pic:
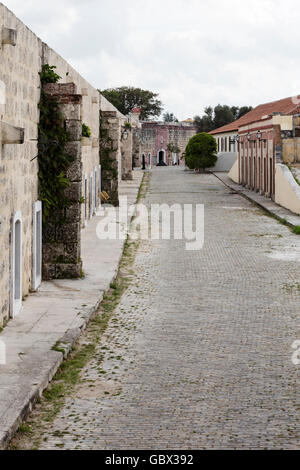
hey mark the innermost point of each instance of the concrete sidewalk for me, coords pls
(265, 203)
(57, 313)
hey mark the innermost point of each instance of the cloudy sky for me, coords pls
(194, 53)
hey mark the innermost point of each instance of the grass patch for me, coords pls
(143, 187)
(291, 287)
(283, 221)
(24, 429)
(57, 348)
(271, 235)
(296, 229)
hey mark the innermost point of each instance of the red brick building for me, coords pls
(165, 142)
(261, 136)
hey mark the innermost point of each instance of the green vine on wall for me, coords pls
(53, 158)
(48, 74)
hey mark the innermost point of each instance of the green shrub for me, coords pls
(48, 74)
(86, 131)
(296, 229)
(201, 151)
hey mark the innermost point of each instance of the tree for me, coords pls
(219, 116)
(244, 110)
(235, 112)
(201, 151)
(127, 98)
(169, 117)
(206, 123)
(223, 115)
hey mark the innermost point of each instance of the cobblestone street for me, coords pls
(198, 353)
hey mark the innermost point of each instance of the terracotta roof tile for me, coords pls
(287, 106)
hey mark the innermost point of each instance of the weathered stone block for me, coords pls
(86, 142)
(11, 134)
(49, 232)
(49, 272)
(73, 193)
(74, 129)
(52, 252)
(9, 36)
(95, 143)
(72, 253)
(68, 233)
(68, 271)
(60, 88)
(73, 213)
(70, 110)
(74, 149)
(74, 172)
(109, 114)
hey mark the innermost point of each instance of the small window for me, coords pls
(99, 185)
(91, 196)
(96, 190)
(85, 200)
(37, 246)
(16, 265)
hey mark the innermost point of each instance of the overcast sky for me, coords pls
(194, 53)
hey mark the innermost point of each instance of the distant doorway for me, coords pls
(161, 158)
(16, 266)
(143, 162)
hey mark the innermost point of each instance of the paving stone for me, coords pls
(199, 349)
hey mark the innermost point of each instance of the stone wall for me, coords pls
(19, 67)
(61, 233)
(22, 55)
(291, 150)
(123, 156)
(287, 190)
(110, 137)
(89, 115)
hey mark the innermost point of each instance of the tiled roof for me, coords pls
(287, 106)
